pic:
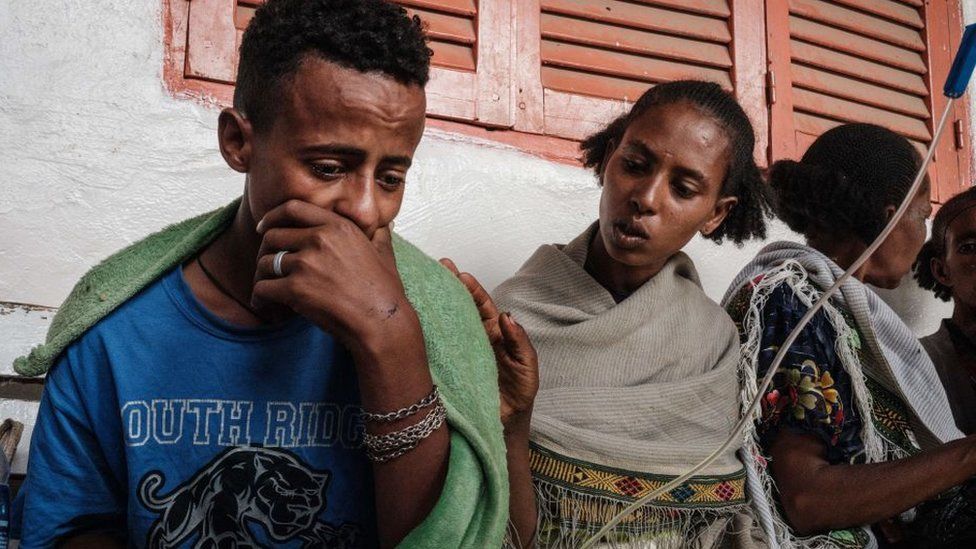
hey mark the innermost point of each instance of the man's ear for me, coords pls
(722, 208)
(940, 272)
(890, 212)
(235, 136)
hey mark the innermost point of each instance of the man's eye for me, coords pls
(327, 171)
(683, 190)
(632, 166)
(391, 181)
(967, 248)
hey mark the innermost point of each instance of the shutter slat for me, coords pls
(857, 45)
(814, 125)
(448, 28)
(715, 8)
(451, 55)
(614, 12)
(647, 69)
(849, 111)
(452, 29)
(809, 126)
(894, 11)
(243, 15)
(467, 8)
(848, 88)
(858, 22)
(858, 68)
(583, 83)
(803, 141)
(591, 33)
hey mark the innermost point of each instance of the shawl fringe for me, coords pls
(567, 518)
(876, 447)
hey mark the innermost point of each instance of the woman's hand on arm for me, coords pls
(818, 496)
(518, 383)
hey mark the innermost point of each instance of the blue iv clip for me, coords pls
(962, 65)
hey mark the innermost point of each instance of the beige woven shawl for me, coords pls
(645, 388)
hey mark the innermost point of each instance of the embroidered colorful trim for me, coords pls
(626, 486)
(891, 418)
(889, 414)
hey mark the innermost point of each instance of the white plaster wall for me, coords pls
(96, 154)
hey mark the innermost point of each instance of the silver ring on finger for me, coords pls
(276, 264)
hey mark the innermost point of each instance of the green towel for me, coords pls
(473, 508)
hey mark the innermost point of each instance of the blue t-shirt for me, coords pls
(171, 426)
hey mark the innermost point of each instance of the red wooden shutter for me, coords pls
(471, 40)
(877, 61)
(581, 62)
(470, 77)
(953, 171)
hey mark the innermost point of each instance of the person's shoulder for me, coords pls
(698, 307)
(142, 307)
(116, 328)
(534, 273)
(114, 281)
(938, 344)
(773, 296)
(774, 284)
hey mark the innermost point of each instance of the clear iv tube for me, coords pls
(778, 359)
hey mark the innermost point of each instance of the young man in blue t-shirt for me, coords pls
(229, 401)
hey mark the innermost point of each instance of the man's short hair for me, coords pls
(365, 35)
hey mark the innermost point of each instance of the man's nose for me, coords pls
(358, 203)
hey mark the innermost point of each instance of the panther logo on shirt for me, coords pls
(240, 485)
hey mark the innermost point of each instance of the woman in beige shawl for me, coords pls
(637, 366)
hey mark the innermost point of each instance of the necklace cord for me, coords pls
(223, 289)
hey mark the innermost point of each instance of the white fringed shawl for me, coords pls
(895, 359)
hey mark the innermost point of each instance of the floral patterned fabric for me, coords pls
(812, 392)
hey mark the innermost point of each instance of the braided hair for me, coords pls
(844, 182)
(936, 246)
(742, 180)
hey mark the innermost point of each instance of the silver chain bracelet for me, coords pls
(402, 413)
(389, 441)
(383, 448)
